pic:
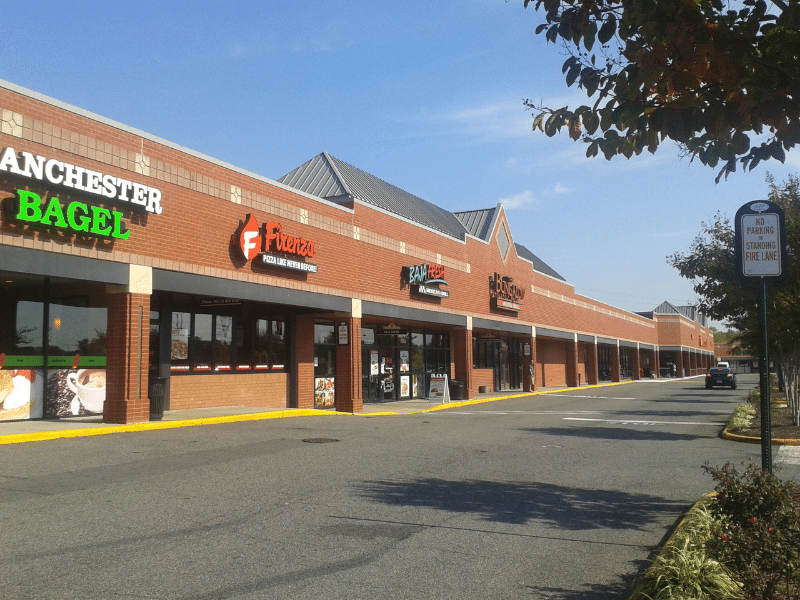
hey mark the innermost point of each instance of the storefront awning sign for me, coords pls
(56, 172)
(505, 293)
(270, 246)
(420, 277)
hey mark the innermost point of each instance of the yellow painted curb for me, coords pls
(748, 439)
(278, 414)
(152, 425)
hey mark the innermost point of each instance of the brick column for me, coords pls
(572, 362)
(679, 364)
(461, 348)
(528, 382)
(303, 373)
(127, 355)
(592, 368)
(348, 368)
(657, 364)
(616, 372)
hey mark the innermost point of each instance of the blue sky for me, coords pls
(428, 96)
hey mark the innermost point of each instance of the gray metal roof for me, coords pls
(688, 311)
(665, 308)
(330, 178)
(478, 222)
(538, 264)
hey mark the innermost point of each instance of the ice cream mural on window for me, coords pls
(21, 393)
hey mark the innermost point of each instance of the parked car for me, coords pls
(720, 376)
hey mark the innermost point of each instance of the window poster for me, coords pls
(21, 394)
(75, 392)
(324, 389)
(180, 344)
(373, 362)
(404, 364)
(405, 386)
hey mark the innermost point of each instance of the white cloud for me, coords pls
(518, 201)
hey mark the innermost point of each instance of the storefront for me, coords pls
(131, 266)
(398, 361)
(53, 335)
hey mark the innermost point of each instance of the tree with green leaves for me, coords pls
(719, 78)
(710, 265)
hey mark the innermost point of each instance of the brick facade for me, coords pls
(360, 253)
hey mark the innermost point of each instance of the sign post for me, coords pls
(760, 251)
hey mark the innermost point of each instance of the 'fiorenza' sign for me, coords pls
(261, 243)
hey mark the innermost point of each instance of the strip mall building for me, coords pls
(127, 260)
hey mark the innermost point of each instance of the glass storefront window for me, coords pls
(324, 365)
(53, 343)
(395, 365)
(223, 343)
(76, 330)
(153, 359)
(179, 347)
(367, 335)
(225, 338)
(262, 344)
(417, 339)
(24, 336)
(278, 344)
(201, 342)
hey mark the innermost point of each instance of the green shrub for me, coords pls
(684, 569)
(742, 417)
(756, 530)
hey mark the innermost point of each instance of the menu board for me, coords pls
(438, 391)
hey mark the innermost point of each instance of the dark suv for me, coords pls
(720, 376)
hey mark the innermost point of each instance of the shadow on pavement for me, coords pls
(604, 432)
(519, 503)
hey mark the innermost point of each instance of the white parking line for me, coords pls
(633, 422)
(597, 397)
(521, 412)
(788, 455)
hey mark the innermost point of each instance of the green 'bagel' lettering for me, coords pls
(77, 216)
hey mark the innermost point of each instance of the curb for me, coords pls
(19, 438)
(748, 439)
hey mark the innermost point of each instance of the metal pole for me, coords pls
(766, 425)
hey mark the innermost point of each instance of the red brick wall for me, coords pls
(195, 230)
(551, 358)
(267, 390)
(482, 377)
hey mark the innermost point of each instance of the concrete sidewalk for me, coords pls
(12, 432)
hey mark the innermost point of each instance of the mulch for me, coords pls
(781, 426)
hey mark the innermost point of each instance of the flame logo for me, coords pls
(250, 238)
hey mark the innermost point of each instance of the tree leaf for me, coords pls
(574, 71)
(589, 36)
(591, 121)
(608, 29)
(740, 143)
